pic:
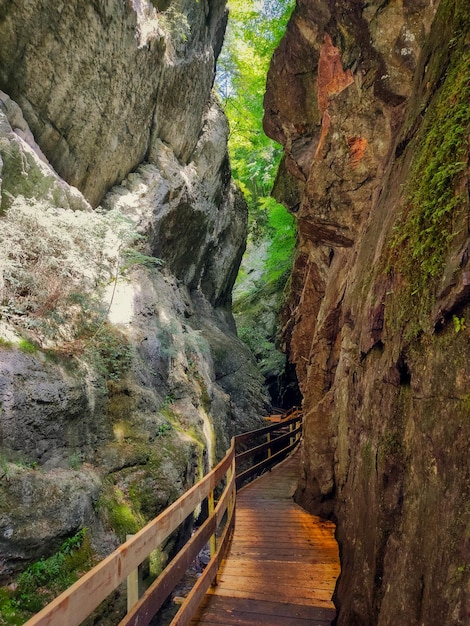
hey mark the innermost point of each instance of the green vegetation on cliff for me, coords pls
(436, 200)
(45, 579)
(254, 31)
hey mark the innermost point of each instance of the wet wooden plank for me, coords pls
(299, 597)
(283, 563)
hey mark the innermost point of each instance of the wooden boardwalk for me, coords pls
(282, 565)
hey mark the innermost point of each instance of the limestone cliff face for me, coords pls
(371, 103)
(97, 80)
(120, 369)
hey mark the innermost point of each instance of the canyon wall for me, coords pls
(121, 375)
(371, 103)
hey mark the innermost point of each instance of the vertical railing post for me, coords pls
(292, 439)
(135, 585)
(231, 474)
(212, 540)
(231, 502)
(269, 441)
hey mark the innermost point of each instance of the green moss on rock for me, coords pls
(435, 198)
(45, 579)
(120, 513)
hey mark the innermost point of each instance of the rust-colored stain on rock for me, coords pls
(357, 147)
(332, 79)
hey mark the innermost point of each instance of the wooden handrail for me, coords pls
(264, 446)
(274, 453)
(81, 599)
(252, 434)
(189, 606)
(256, 470)
(281, 415)
(158, 592)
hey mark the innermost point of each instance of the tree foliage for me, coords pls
(255, 29)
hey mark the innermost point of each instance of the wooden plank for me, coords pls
(283, 562)
(271, 609)
(281, 551)
(281, 568)
(289, 539)
(316, 597)
(306, 576)
(223, 618)
(301, 541)
(269, 564)
(314, 538)
(297, 548)
(269, 556)
(266, 584)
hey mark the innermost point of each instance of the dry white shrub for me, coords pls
(54, 266)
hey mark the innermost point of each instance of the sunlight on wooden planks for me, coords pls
(283, 562)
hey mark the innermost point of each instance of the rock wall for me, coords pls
(370, 101)
(97, 80)
(121, 376)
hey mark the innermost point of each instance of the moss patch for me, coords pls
(436, 198)
(121, 515)
(44, 580)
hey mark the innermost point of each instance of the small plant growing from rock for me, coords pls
(27, 346)
(163, 429)
(46, 578)
(459, 323)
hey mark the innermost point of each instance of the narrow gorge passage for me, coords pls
(136, 334)
(283, 562)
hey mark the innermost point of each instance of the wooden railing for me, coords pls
(286, 437)
(281, 416)
(82, 598)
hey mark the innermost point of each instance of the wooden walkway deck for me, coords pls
(283, 563)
